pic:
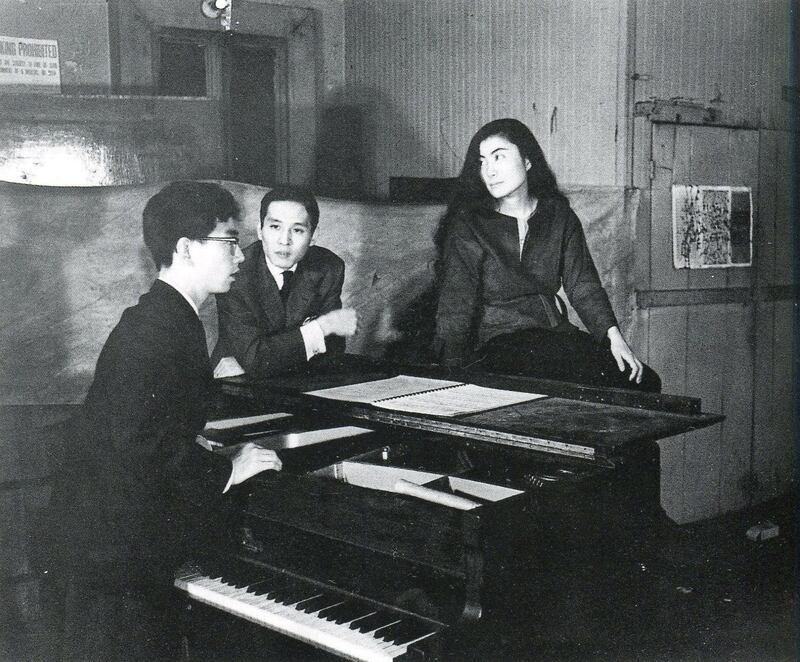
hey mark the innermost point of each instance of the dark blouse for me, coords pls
(486, 289)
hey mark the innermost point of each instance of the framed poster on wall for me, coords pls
(712, 226)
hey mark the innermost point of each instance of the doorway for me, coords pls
(254, 94)
(248, 75)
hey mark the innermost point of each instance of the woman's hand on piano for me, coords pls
(624, 355)
(251, 459)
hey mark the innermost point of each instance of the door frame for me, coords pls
(218, 76)
(280, 94)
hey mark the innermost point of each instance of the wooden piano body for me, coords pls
(559, 487)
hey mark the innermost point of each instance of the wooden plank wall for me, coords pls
(733, 55)
(721, 335)
(425, 75)
(727, 334)
(774, 418)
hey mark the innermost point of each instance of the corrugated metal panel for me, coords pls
(730, 55)
(428, 74)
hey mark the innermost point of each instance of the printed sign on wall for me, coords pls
(712, 226)
(29, 65)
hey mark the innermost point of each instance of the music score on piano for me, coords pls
(422, 395)
(320, 616)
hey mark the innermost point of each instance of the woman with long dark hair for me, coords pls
(507, 242)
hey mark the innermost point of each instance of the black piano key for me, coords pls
(294, 593)
(281, 588)
(388, 632)
(237, 581)
(330, 613)
(370, 623)
(346, 612)
(408, 629)
(240, 577)
(264, 586)
(317, 603)
(214, 573)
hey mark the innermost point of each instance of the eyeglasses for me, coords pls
(233, 242)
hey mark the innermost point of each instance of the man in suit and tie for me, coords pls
(285, 307)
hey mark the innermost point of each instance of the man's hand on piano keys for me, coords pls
(250, 459)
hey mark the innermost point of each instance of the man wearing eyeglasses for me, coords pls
(285, 308)
(136, 492)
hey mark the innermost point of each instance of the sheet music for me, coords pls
(380, 389)
(463, 399)
(422, 395)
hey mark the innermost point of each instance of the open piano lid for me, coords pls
(573, 420)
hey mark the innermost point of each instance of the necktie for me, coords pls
(287, 284)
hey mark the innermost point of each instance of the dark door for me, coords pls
(252, 144)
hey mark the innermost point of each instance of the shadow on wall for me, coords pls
(339, 157)
(349, 159)
(73, 259)
(389, 253)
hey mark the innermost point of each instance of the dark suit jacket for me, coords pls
(254, 325)
(131, 466)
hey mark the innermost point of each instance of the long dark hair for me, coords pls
(470, 191)
(418, 322)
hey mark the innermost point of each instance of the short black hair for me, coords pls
(289, 193)
(184, 209)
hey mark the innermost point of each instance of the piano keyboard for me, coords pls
(334, 622)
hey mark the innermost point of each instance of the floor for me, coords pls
(708, 593)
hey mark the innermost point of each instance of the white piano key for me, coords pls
(291, 621)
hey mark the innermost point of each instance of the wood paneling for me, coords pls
(426, 75)
(734, 337)
(703, 456)
(700, 155)
(732, 56)
(667, 157)
(705, 351)
(775, 398)
(727, 340)
(774, 239)
(666, 343)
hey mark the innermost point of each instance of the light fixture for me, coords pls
(219, 9)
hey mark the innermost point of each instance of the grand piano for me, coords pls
(394, 535)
